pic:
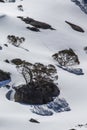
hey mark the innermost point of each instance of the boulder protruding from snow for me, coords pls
(35, 23)
(75, 27)
(34, 120)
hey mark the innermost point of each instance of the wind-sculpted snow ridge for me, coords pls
(82, 6)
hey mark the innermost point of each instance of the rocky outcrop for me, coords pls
(35, 23)
(33, 29)
(34, 120)
(75, 27)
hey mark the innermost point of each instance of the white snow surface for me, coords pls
(41, 46)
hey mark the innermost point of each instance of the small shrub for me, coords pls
(15, 40)
(66, 57)
(20, 7)
(35, 23)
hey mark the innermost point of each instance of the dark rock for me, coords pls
(85, 49)
(7, 86)
(6, 45)
(33, 29)
(75, 27)
(35, 23)
(34, 120)
(72, 129)
(0, 48)
(7, 61)
(4, 75)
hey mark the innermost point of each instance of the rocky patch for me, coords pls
(33, 29)
(75, 27)
(35, 23)
(34, 120)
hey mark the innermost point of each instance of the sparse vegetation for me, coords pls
(35, 23)
(15, 40)
(66, 57)
(40, 87)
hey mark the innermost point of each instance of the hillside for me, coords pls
(38, 47)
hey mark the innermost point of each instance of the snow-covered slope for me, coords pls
(42, 45)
